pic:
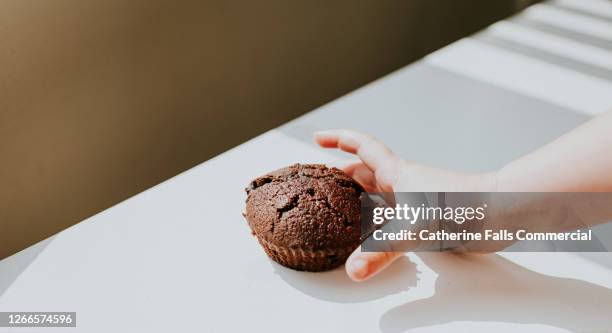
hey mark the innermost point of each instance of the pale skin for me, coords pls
(579, 161)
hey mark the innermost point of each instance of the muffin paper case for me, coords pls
(306, 260)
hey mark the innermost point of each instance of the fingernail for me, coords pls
(359, 268)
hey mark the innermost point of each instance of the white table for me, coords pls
(180, 257)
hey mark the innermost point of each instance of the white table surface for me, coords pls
(180, 256)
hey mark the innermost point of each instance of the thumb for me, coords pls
(361, 266)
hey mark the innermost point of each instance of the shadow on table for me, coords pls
(486, 288)
(13, 266)
(335, 285)
(601, 258)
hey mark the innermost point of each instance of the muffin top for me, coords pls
(305, 206)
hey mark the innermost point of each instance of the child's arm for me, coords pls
(580, 161)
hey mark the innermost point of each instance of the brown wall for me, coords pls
(102, 99)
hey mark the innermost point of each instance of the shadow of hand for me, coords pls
(492, 288)
(335, 285)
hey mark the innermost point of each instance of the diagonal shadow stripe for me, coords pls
(581, 12)
(549, 57)
(567, 33)
(13, 266)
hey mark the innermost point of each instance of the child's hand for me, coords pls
(380, 170)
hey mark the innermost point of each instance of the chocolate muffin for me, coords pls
(306, 216)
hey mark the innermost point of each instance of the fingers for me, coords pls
(361, 266)
(371, 151)
(377, 172)
(374, 154)
(362, 174)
